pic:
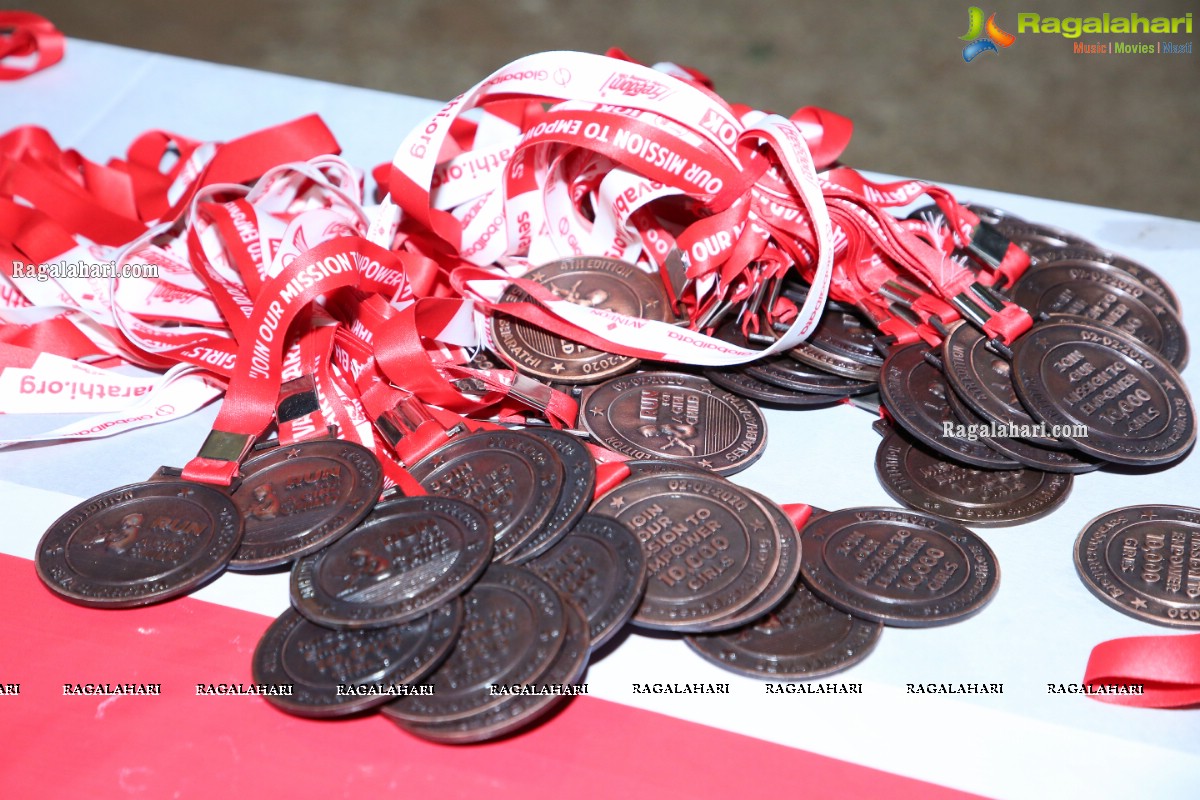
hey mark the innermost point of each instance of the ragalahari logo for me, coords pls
(977, 43)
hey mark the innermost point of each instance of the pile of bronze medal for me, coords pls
(1095, 381)
(496, 578)
(469, 612)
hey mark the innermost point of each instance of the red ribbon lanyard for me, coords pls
(250, 400)
(945, 279)
(1003, 260)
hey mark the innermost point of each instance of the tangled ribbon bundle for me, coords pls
(556, 154)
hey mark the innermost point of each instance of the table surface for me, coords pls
(1038, 630)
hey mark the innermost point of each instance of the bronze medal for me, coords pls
(904, 568)
(407, 557)
(1107, 297)
(297, 499)
(786, 573)
(601, 567)
(1144, 561)
(1025, 453)
(527, 702)
(579, 487)
(677, 417)
(514, 629)
(711, 549)
(592, 281)
(1045, 256)
(926, 481)
(139, 544)
(842, 343)
(1111, 397)
(740, 382)
(512, 477)
(796, 375)
(982, 379)
(329, 669)
(804, 638)
(1031, 235)
(789, 373)
(914, 392)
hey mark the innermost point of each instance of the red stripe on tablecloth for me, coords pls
(183, 745)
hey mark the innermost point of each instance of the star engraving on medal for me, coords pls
(704, 462)
(596, 411)
(188, 492)
(617, 502)
(295, 452)
(558, 366)
(1040, 340)
(1137, 602)
(1169, 385)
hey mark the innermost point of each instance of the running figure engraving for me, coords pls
(121, 539)
(594, 298)
(674, 433)
(367, 566)
(266, 504)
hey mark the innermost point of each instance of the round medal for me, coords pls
(337, 672)
(512, 477)
(1144, 561)
(527, 702)
(800, 377)
(1109, 395)
(804, 637)
(297, 499)
(903, 568)
(983, 497)
(983, 380)
(843, 343)
(1104, 296)
(514, 629)
(139, 544)
(786, 573)
(407, 557)
(1030, 235)
(740, 382)
(1044, 256)
(1025, 453)
(711, 549)
(677, 417)
(592, 281)
(601, 567)
(579, 486)
(914, 392)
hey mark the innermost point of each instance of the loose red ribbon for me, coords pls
(25, 36)
(1167, 667)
